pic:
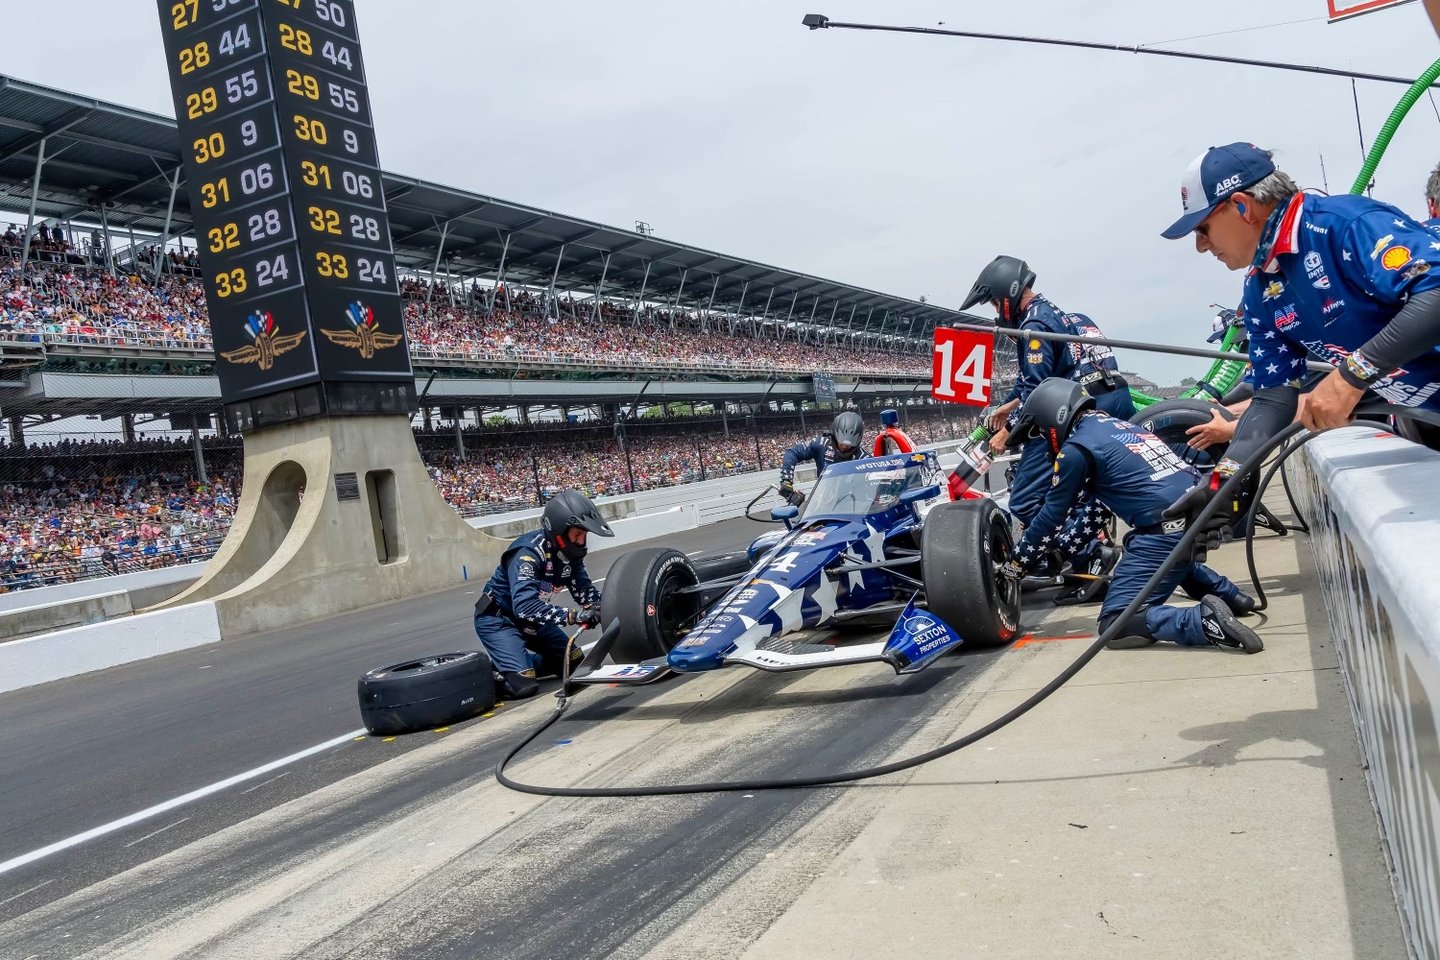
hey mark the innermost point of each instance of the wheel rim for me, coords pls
(675, 613)
(1001, 546)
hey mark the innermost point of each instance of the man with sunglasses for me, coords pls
(1346, 279)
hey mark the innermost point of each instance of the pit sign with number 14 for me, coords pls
(963, 360)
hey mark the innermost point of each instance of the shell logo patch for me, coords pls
(1034, 344)
(1395, 258)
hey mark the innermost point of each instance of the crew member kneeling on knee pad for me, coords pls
(514, 618)
(1101, 463)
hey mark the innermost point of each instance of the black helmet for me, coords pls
(1003, 279)
(847, 429)
(1050, 411)
(571, 508)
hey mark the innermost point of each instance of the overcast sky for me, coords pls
(900, 163)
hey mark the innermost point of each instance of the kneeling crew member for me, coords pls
(514, 619)
(1136, 475)
(842, 443)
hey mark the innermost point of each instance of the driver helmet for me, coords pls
(1051, 411)
(846, 432)
(566, 513)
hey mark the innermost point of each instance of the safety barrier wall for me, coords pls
(1369, 499)
(98, 646)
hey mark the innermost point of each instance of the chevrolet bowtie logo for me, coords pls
(265, 342)
(364, 333)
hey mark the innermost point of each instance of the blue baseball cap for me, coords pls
(1212, 177)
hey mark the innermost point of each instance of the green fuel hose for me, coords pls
(1392, 123)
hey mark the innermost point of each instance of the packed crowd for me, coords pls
(72, 510)
(76, 304)
(75, 510)
(90, 306)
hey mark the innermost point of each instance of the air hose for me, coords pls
(1183, 549)
(1223, 376)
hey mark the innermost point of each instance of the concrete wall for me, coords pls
(172, 578)
(68, 653)
(1369, 499)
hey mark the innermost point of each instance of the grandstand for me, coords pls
(549, 344)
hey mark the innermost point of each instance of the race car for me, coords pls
(877, 538)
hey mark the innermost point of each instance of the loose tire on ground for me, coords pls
(428, 692)
(640, 591)
(963, 544)
(1169, 419)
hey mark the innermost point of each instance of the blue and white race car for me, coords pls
(878, 538)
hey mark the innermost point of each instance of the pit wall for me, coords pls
(1371, 502)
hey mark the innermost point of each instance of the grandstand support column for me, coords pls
(439, 253)
(459, 437)
(199, 455)
(127, 427)
(499, 277)
(599, 288)
(34, 202)
(644, 282)
(799, 405)
(161, 260)
(725, 418)
(335, 513)
(105, 235)
(17, 431)
(705, 318)
(675, 303)
(738, 307)
(765, 313)
(550, 291)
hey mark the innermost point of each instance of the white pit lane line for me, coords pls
(155, 811)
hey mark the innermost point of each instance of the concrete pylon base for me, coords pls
(335, 514)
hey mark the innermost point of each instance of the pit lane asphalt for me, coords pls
(89, 750)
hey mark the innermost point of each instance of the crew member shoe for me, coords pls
(518, 686)
(1240, 604)
(1224, 630)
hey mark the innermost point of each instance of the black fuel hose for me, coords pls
(1183, 549)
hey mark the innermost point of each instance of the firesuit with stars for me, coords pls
(1101, 463)
(516, 622)
(1008, 283)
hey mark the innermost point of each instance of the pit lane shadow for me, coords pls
(765, 692)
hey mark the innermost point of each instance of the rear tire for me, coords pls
(428, 692)
(963, 544)
(640, 591)
(1169, 419)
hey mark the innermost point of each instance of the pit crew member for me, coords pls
(1007, 283)
(516, 622)
(1100, 463)
(842, 443)
(1345, 279)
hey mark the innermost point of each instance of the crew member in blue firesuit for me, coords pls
(514, 618)
(1347, 280)
(842, 443)
(1099, 465)
(1008, 284)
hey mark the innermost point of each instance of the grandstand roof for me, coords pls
(102, 153)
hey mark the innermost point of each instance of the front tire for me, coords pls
(963, 545)
(640, 591)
